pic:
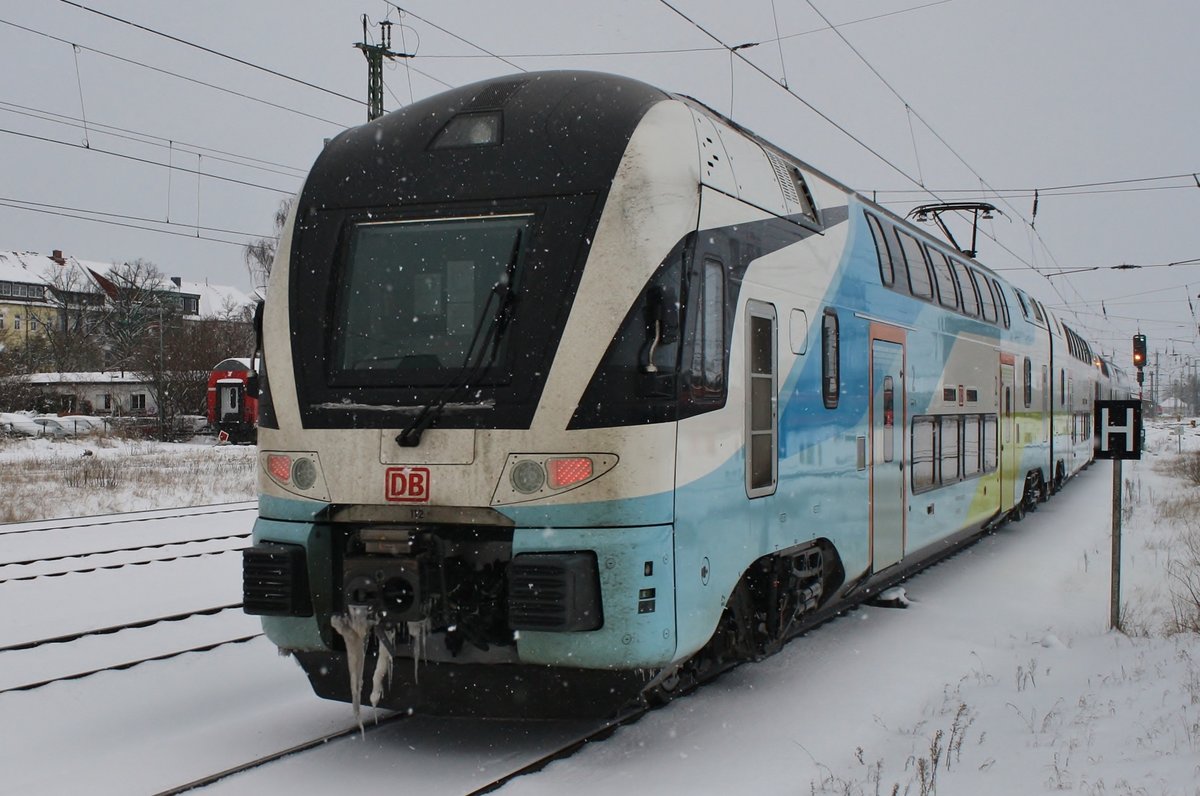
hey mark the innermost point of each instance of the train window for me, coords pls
(970, 296)
(947, 288)
(970, 445)
(1028, 385)
(990, 442)
(761, 427)
(889, 419)
(950, 447)
(1062, 386)
(830, 360)
(1002, 301)
(1037, 310)
(918, 270)
(1024, 306)
(708, 358)
(987, 302)
(923, 459)
(887, 271)
(414, 292)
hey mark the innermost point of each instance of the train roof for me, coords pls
(560, 132)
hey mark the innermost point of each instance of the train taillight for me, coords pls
(564, 472)
(280, 467)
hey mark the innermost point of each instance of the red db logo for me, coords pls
(406, 484)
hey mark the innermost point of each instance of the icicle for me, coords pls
(418, 631)
(355, 628)
(383, 666)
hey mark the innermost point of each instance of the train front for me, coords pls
(467, 420)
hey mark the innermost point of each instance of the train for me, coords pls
(574, 390)
(232, 400)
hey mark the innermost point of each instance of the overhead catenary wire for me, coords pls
(172, 145)
(456, 36)
(176, 75)
(217, 53)
(109, 222)
(148, 161)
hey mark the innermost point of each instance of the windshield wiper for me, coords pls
(474, 362)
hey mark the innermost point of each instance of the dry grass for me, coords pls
(85, 476)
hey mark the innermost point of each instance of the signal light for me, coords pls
(1139, 351)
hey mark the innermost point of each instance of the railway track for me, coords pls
(559, 749)
(106, 620)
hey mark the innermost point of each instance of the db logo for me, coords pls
(406, 484)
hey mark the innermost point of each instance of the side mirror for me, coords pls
(252, 385)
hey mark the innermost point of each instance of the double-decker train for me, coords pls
(574, 390)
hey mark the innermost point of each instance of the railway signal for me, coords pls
(1139, 355)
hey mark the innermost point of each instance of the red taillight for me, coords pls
(564, 472)
(280, 467)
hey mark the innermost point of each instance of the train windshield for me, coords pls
(421, 298)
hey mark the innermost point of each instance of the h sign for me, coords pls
(1118, 430)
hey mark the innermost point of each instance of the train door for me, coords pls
(229, 400)
(888, 423)
(1008, 436)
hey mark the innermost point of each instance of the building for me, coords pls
(114, 393)
(25, 305)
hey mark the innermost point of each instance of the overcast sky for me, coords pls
(952, 95)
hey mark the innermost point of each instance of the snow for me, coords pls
(999, 677)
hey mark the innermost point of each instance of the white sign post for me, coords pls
(1118, 437)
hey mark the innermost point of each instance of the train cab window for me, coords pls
(918, 270)
(761, 427)
(414, 292)
(970, 295)
(887, 270)
(987, 302)
(1062, 386)
(708, 355)
(947, 288)
(830, 360)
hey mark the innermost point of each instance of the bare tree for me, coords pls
(74, 329)
(260, 254)
(138, 301)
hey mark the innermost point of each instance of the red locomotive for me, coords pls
(232, 408)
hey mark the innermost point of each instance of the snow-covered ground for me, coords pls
(98, 474)
(1001, 677)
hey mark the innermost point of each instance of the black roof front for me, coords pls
(564, 133)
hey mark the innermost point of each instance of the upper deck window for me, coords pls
(918, 269)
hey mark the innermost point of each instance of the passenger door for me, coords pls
(888, 421)
(1008, 436)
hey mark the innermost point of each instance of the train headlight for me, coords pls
(304, 473)
(527, 476)
(296, 472)
(533, 476)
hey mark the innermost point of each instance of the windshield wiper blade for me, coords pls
(410, 437)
